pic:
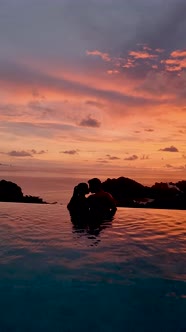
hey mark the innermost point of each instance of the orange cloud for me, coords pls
(178, 54)
(174, 64)
(142, 55)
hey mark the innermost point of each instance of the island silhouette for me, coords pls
(11, 192)
(126, 192)
(130, 193)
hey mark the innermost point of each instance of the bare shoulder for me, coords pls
(108, 195)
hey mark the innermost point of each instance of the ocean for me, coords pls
(51, 188)
(125, 275)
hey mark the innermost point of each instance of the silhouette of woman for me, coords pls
(78, 205)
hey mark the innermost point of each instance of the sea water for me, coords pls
(125, 275)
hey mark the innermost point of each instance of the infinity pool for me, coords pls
(128, 275)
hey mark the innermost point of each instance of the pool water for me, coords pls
(126, 275)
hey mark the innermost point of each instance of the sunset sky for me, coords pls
(93, 83)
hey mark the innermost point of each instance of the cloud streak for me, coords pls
(15, 153)
(23, 153)
(16, 75)
(170, 149)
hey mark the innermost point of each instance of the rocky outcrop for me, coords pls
(130, 193)
(11, 192)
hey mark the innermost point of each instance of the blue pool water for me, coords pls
(128, 275)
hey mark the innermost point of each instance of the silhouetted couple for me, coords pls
(99, 205)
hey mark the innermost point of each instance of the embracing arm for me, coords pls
(113, 207)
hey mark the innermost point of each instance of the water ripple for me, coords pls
(105, 278)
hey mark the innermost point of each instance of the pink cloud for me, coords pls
(159, 50)
(147, 48)
(111, 72)
(154, 66)
(103, 56)
(130, 63)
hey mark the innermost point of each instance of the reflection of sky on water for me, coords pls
(90, 231)
(125, 275)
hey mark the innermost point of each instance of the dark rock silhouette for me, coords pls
(125, 190)
(130, 193)
(11, 192)
(127, 193)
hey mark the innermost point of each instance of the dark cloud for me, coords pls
(112, 157)
(33, 151)
(22, 153)
(157, 23)
(170, 149)
(166, 28)
(149, 130)
(90, 122)
(123, 25)
(181, 167)
(133, 157)
(71, 152)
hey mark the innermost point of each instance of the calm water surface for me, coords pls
(128, 275)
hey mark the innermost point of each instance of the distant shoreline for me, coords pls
(127, 193)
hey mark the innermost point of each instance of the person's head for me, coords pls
(94, 185)
(82, 188)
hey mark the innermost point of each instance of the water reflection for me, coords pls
(90, 229)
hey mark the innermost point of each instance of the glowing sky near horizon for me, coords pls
(99, 83)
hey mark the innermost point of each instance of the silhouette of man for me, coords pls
(101, 204)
